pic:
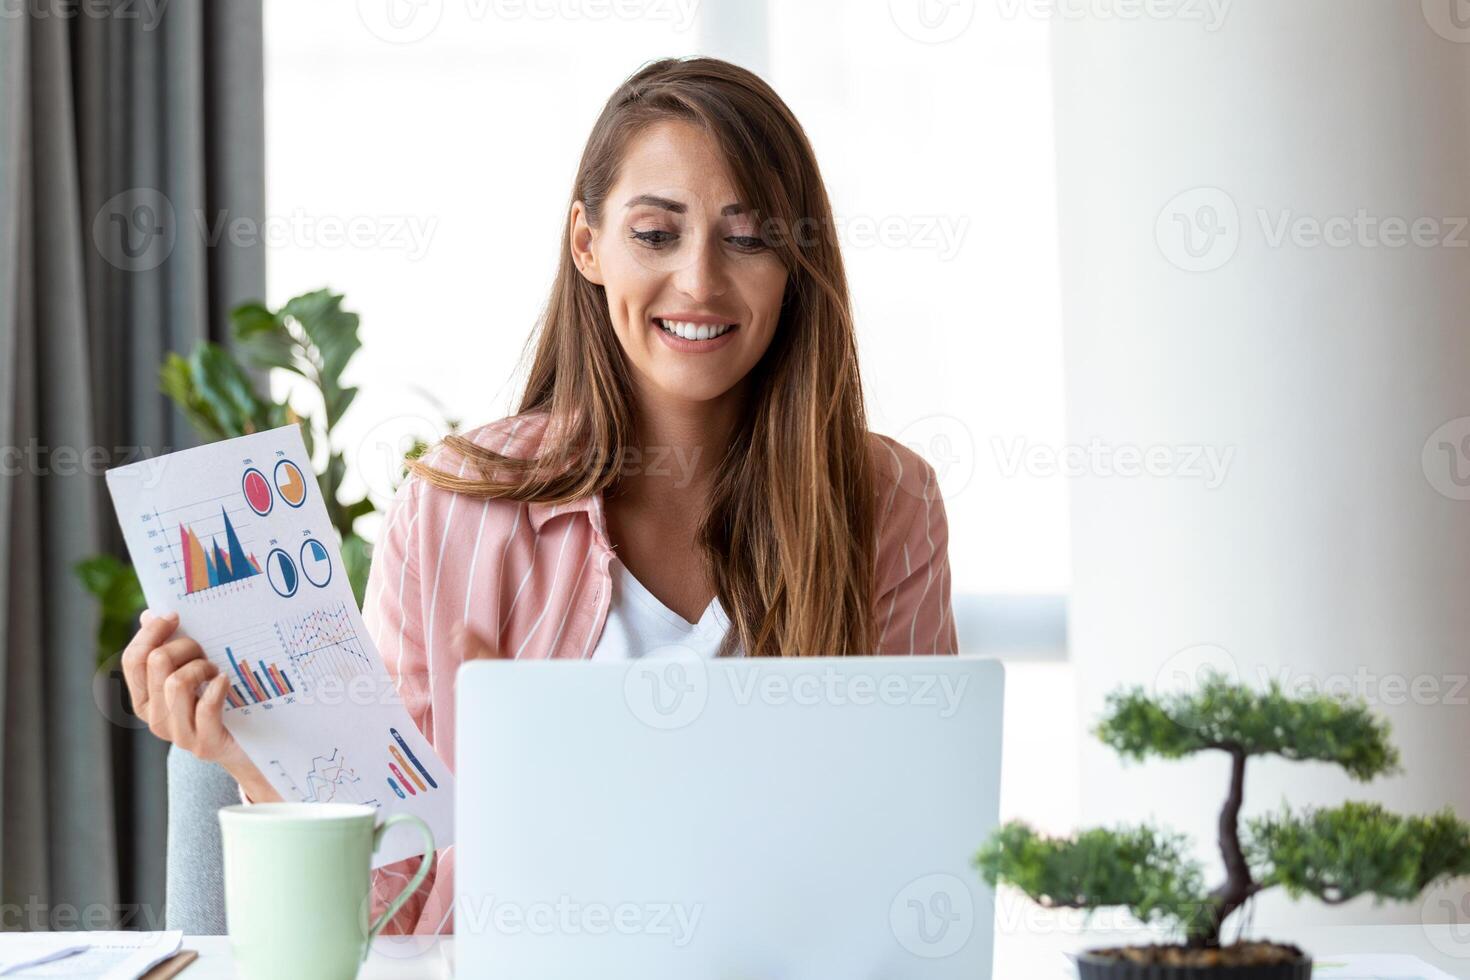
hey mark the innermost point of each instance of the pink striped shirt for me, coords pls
(535, 577)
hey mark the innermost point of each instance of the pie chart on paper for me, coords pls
(280, 571)
(257, 491)
(290, 484)
(316, 563)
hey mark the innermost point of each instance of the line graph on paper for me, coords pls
(323, 643)
(329, 780)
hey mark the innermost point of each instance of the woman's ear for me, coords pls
(584, 250)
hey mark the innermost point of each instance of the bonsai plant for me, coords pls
(1332, 854)
(311, 336)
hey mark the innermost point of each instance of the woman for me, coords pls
(690, 466)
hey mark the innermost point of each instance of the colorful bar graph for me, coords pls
(411, 757)
(405, 783)
(258, 685)
(283, 684)
(407, 768)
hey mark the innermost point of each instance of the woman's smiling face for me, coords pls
(678, 253)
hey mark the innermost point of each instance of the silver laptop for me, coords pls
(801, 819)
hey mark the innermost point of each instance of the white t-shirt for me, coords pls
(637, 623)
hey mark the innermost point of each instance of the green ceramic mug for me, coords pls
(298, 884)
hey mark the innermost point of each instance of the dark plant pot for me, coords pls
(1094, 967)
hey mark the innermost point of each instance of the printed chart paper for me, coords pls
(234, 537)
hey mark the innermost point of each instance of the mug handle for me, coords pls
(418, 876)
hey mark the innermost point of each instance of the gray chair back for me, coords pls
(195, 899)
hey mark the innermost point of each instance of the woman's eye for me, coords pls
(655, 238)
(750, 243)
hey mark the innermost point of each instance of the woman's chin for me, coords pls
(691, 386)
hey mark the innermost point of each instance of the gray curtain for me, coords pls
(124, 127)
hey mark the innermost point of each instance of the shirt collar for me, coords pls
(538, 512)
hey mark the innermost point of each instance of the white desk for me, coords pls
(1036, 954)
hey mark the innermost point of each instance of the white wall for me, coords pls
(1327, 552)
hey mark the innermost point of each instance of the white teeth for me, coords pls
(693, 331)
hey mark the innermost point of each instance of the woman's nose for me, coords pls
(705, 276)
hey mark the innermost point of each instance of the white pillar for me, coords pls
(1330, 543)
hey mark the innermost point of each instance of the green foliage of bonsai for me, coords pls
(1332, 854)
(311, 336)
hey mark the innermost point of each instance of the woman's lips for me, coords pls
(692, 346)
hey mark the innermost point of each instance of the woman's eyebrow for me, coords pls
(676, 207)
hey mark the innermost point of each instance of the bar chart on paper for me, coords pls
(315, 651)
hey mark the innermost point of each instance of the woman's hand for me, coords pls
(164, 677)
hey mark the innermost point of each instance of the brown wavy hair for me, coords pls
(788, 533)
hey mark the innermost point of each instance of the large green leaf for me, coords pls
(119, 598)
(264, 337)
(357, 556)
(331, 330)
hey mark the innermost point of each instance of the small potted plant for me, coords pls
(1333, 854)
